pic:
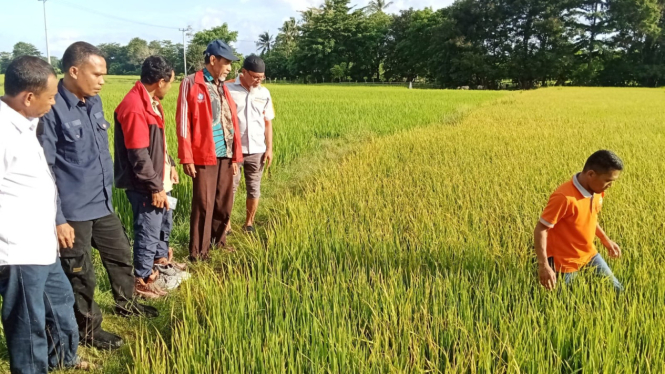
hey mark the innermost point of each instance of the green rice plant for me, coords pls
(317, 127)
(414, 254)
(396, 236)
(308, 118)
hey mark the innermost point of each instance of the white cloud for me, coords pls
(300, 5)
(209, 19)
(264, 16)
(63, 39)
(418, 4)
(248, 18)
(249, 22)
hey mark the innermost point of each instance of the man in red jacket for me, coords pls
(147, 173)
(209, 148)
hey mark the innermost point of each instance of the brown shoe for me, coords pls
(147, 290)
(152, 279)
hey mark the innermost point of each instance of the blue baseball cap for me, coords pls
(219, 48)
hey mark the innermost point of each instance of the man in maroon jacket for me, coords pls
(209, 148)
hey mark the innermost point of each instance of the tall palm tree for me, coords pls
(289, 30)
(265, 42)
(376, 6)
(287, 37)
(308, 14)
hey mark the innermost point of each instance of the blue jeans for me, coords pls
(38, 317)
(600, 267)
(152, 230)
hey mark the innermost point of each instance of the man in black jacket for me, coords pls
(74, 135)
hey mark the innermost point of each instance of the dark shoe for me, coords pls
(133, 308)
(103, 340)
(250, 229)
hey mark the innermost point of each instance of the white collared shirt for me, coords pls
(254, 109)
(579, 187)
(27, 194)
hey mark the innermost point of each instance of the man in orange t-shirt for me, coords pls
(565, 232)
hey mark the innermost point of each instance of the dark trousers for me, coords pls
(152, 229)
(212, 202)
(108, 236)
(38, 317)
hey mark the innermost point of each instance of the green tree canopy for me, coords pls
(488, 43)
(200, 41)
(25, 49)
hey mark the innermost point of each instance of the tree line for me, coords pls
(476, 43)
(488, 43)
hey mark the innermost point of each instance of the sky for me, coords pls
(121, 20)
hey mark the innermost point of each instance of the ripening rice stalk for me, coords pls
(414, 253)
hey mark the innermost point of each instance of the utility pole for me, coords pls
(184, 47)
(48, 53)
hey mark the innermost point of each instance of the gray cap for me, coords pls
(219, 48)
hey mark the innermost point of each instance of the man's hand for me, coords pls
(235, 169)
(65, 235)
(613, 248)
(267, 158)
(547, 276)
(190, 170)
(160, 200)
(175, 178)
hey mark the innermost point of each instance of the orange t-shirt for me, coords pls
(572, 216)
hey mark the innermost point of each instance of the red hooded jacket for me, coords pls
(196, 144)
(140, 143)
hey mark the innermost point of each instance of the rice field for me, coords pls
(396, 237)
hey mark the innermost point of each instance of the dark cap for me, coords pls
(254, 64)
(219, 48)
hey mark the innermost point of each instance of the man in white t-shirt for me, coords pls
(37, 299)
(255, 116)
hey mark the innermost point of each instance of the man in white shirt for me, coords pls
(255, 116)
(36, 295)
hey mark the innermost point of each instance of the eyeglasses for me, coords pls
(256, 77)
